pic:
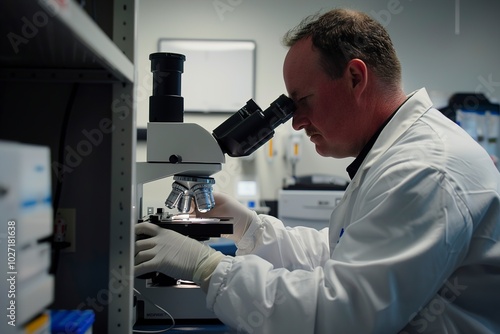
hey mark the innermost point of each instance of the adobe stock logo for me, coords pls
(255, 319)
(223, 6)
(384, 16)
(421, 320)
(74, 156)
(31, 26)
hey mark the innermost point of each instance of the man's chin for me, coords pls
(320, 149)
(325, 151)
(329, 153)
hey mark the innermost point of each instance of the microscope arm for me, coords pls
(182, 143)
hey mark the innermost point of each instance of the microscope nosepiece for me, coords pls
(187, 188)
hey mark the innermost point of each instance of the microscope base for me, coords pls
(184, 302)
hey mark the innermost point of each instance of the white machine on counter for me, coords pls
(310, 201)
(191, 155)
(26, 287)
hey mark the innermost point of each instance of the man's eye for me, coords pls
(303, 100)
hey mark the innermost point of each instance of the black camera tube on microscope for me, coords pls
(166, 104)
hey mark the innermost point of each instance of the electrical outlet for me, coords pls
(67, 225)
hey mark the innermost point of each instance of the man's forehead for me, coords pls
(299, 65)
(301, 47)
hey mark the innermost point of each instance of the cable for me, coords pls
(161, 309)
(62, 143)
(60, 161)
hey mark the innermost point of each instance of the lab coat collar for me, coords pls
(415, 106)
(354, 166)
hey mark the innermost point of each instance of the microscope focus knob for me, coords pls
(175, 159)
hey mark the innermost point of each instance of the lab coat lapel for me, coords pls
(418, 104)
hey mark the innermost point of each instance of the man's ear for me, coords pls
(358, 73)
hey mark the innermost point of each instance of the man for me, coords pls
(414, 245)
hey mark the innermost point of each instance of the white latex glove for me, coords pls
(226, 206)
(174, 255)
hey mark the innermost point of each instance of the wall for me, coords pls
(446, 46)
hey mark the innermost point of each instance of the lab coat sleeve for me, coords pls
(384, 269)
(285, 247)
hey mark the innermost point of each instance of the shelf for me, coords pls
(57, 34)
(66, 76)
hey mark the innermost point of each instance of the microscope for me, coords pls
(191, 155)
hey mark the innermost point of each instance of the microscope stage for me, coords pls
(199, 230)
(194, 227)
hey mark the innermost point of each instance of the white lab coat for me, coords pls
(413, 247)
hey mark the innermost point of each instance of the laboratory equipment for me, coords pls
(27, 287)
(293, 151)
(191, 155)
(310, 200)
(478, 116)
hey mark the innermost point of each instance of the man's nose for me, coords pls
(299, 121)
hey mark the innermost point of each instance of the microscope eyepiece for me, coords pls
(249, 128)
(166, 104)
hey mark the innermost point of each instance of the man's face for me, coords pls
(325, 107)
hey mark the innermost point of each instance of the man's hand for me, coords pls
(226, 206)
(173, 254)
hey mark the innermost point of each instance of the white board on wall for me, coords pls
(219, 75)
